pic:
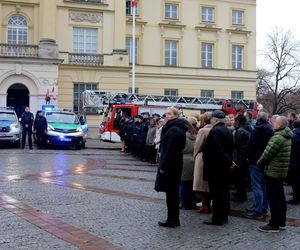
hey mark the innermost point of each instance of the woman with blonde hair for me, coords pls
(199, 184)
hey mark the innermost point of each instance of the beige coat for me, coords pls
(199, 184)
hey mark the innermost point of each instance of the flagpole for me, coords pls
(133, 48)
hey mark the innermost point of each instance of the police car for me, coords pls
(9, 127)
(65, 128)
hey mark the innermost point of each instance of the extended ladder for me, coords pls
(97, 99)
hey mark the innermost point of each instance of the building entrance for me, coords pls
(18, 97)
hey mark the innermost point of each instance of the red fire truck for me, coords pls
(112, 104)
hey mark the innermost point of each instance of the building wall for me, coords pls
(55, 19)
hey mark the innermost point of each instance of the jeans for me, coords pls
(186, 194)
(259, 190)
(276, 197)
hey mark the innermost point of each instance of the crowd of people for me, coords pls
(202, 157)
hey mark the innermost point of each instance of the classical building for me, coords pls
(184, 47)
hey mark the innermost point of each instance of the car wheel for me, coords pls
(17, 144)
(83, 145)
(78, 147)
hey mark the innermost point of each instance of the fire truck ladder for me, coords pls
(96, 99)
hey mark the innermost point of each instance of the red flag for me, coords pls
(47, 95)
(133, 3)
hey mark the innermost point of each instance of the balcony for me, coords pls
(85, 59)
(16, 50)
(86, 1)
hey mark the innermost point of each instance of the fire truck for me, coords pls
(111, 105)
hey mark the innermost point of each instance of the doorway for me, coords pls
(18, 97)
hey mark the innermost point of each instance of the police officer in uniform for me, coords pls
(27, 122)
(136, 135)
(144, 131)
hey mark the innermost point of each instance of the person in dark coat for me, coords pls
(241, 141)
(129, 127)
(40, 127)
(172, 143)
(143, 136)
(217, 158)
(136, 136)
(294, 169)
(257, 144)
(27, 122)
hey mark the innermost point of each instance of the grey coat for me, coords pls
(188, 159)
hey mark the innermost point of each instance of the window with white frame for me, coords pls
(136, 90)
(207, 55)
(208, 14)
(173, 92)
(78, 89)
(238, 17)
(85, 40)
(129, 9)
(171, 11)
(129, 48)
(237, 94)
(171, 53)
(237, 56)
(17, 30)
(207, 93)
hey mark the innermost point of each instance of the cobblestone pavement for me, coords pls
(102, 199)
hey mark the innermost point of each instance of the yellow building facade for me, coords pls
(184, 47)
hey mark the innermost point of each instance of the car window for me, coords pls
(56, 117)
(7, 117)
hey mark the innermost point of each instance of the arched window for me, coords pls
(17, 30)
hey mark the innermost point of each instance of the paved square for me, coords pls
(102, 199)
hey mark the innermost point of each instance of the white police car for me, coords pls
(9, 127)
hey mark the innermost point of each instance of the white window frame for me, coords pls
(237, 56)
(17, 24)
(205, 15)
(86, 36)
(237, 94)
(236, 18)
(129, 9)
(171, 60)
(129, 47)
(207, 57)
(172, 11)
(171, 92)
(204, 93)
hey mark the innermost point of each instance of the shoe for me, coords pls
(204, 210)
(268, 229)
(31, 148)
(170, 224)
(214, 223)
(282, 227)
(293, 202)
(250, 210)
(253, 216)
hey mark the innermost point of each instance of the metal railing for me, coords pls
(17, 50)
(85, 1)
(85, 59)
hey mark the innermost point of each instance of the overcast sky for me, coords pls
(275, 13)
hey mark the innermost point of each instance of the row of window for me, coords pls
(85, 40)
(207, 53)
(208, 13)
(78, 88)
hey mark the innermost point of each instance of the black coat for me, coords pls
(258, 142)
(27, 119)
(40, 125)
(217, 154)
(241, 142)
(172, 144)
(294, 169)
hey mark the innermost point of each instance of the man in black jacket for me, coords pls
(27, 122)
(241, 141)
(258, 143)
(172, 144)
(217, 157)
(40, 127)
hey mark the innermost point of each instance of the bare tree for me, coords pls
(278, 85)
